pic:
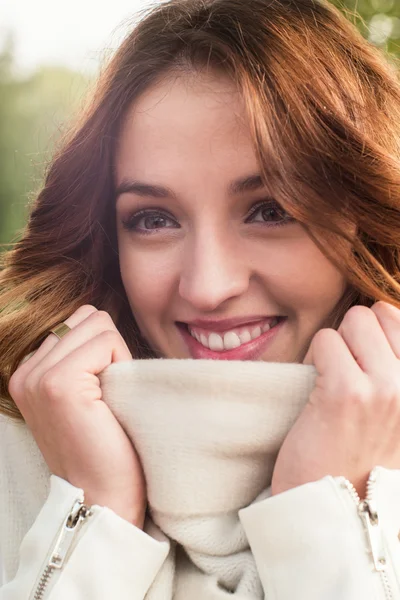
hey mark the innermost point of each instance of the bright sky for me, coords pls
(70, 32)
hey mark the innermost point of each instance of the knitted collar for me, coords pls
(207, 433)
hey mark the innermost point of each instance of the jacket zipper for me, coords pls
(56, 559)
(369, 515)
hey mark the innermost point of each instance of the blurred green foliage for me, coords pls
(378, 21)
(34, 109)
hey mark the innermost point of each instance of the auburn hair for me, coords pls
(324, 110)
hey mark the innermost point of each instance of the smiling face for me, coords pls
(203, 247)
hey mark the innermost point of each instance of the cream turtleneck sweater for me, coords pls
(207, 433)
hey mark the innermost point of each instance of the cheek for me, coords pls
(303, 279)
(149, 281)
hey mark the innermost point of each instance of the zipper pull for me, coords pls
(371, 521)
(79, 513)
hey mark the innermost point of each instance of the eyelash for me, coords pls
(130, 223)
(271, 205)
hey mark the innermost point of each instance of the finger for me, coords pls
(332, 358)
(366, 340)
(389, 320)
(92, 357)
(34, 358)
(27, 357)
(95, 324)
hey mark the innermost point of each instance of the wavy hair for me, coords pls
(324, 110)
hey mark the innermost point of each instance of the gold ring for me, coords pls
(60, 330)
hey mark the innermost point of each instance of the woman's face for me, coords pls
(212, 267)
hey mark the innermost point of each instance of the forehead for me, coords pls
(186, 121)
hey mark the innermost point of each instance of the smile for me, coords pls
(234, 338)
(246, 342)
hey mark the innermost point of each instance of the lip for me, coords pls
(227, 324)
(252, 350)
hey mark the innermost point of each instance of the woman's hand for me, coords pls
(58, 393)
(352, 420)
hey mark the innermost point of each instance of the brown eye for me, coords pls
(147, 221)
(156, 222)
(272, 214)
(269, 212)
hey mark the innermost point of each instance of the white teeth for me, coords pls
(204, 341)
(256, 333)
(244, 337)
(231, 340)
(215, 342)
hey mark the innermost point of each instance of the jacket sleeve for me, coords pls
(107, 557)
(319, 541)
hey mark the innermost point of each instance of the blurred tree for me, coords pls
(33, 112)
(378, 21)
(7, 187)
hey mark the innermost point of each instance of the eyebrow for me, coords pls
(250, 183)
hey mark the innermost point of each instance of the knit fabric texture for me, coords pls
(207, 433)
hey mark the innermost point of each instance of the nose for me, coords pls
(214, 271)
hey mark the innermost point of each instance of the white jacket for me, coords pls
(207, 433)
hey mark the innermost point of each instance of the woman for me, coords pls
(231, 193)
